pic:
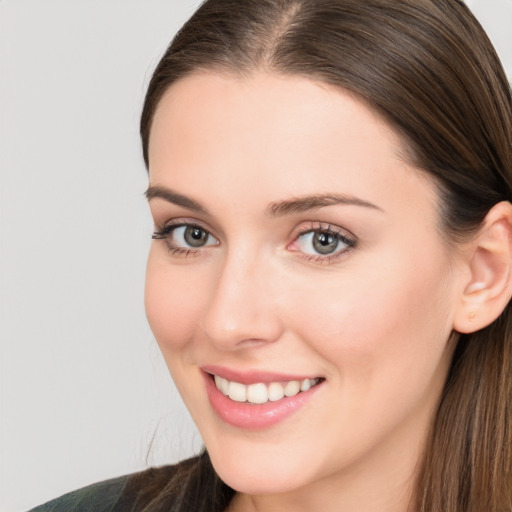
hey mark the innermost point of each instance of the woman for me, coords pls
(329, 281)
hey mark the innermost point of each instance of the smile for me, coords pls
(260, 393)
(255, 399)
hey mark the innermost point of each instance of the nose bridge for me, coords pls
(241, 310)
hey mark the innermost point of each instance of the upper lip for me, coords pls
(253, 376)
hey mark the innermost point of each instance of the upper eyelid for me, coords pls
(323, 226)
(183, 221)
(178, 220)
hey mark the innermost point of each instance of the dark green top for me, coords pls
(129, 493)
(99, 497)
(191, 485)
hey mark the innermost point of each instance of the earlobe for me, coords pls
(489, 288)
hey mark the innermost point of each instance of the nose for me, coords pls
(242, 308)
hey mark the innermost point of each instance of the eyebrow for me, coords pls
(314, 202)
(173, 197)
(277, 209)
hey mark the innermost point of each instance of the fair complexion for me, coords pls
(354, 286)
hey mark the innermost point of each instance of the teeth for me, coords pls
(222, 385)
(261, 393)
(292, 388)
(237, 392)
(275, 392)
(257, 394)
(305, 385)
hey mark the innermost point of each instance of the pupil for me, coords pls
(195, 237)
(324, 243)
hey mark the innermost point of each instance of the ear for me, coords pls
(489, 287)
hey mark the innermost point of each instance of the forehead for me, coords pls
(290, 135)
(263, 100)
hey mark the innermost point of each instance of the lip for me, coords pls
(253, 376)
(254, 416)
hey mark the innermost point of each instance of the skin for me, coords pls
(375, 320)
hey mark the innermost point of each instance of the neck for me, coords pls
(327, 499)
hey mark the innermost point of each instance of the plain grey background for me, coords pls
(84, 394)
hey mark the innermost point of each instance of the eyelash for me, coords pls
(165, 233)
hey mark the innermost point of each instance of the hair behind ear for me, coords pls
(473, 428)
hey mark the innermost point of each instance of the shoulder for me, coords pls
(125, 493)
(98, 497)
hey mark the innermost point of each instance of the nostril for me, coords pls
(253, 343)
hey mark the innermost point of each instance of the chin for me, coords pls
(261, 475)
(248, 481)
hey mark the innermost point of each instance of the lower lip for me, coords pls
(255, 416)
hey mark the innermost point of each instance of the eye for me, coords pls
(192, 236)
(322, 243)
(185, 237)
(318, 242)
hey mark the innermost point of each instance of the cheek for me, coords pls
(172, 301)
(383, 325)
(384, 342)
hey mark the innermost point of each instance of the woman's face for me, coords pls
(296, 248)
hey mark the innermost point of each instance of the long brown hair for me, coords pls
(429, 69)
